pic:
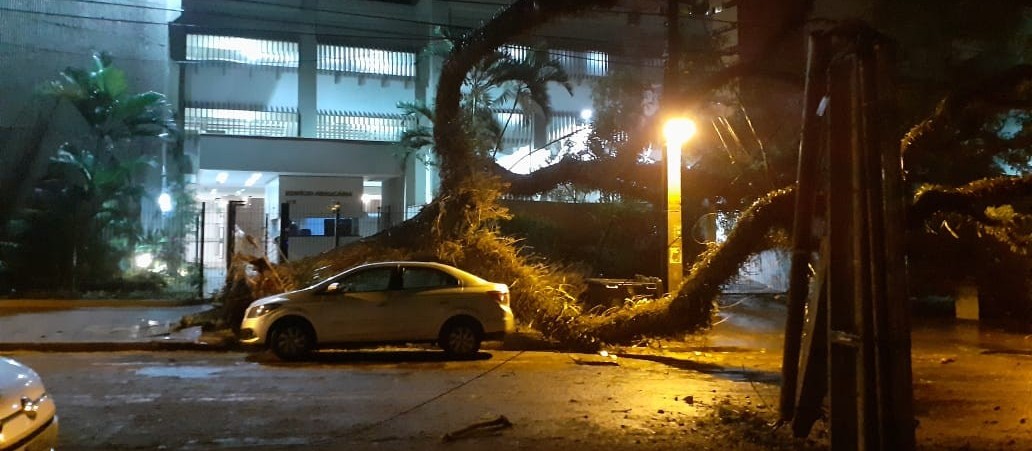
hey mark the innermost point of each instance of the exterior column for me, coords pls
(421, 179)
(307, 80)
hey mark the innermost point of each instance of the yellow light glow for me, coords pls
(673, 168)
(678, 130)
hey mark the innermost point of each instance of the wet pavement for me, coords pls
(973, 387)
(396, 399)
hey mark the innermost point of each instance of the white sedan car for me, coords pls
(382, 303)
(28, 418)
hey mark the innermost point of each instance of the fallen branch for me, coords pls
(494, 425)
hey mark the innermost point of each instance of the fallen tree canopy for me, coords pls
(460, 226)
(544, 296)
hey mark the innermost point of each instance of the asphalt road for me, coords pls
(972, 390)
(394, 399)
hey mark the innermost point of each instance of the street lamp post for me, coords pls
(676, 131)
(336, 224)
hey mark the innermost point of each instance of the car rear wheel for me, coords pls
(461, 338)
(292, 340)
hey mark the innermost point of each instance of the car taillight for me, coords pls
(501, 297)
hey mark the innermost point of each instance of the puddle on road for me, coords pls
(249, 442)
(182, 372)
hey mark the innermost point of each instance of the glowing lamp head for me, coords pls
(143, 260)
(165, 202)
(679, 130)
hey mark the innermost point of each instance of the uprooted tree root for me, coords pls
(543, 296)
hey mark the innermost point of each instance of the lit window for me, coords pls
(200, 47)
(516, 52)
(597, 63)
(367, 61)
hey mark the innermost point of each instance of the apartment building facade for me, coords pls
(289, 108)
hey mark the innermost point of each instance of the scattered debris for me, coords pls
(947, 360)
(594, 362)
(690, 400)
(494, 425)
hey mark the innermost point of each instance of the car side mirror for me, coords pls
(334, 288)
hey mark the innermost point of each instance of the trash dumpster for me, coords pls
(615, 292)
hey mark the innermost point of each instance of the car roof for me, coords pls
(456, 272)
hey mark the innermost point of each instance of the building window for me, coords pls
(367, 61)
(597, 63)
(261, 52)
(582, 64)
(516, 52)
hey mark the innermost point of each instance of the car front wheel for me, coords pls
(292, 340)
(460, 338)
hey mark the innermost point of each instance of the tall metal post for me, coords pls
(336, 225)
(285, 230)
(200, 253)
(861, 319)
(675, 260)
(677, 131)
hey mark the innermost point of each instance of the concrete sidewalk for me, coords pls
(63, 325)
(751, 322)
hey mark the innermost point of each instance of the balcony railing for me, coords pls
(260, 52)
(241, 120)
(252, 120)
(367, 61)
(358, 126)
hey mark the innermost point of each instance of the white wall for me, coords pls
(315, 194)
(371, 93)
(236, 83)
(35, 46)
(305, 156)
(40, 38)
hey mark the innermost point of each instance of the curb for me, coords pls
(516, 342)
(119, 346)
(87, 303)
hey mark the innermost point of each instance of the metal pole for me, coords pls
(675, 261)
(844, 343)
(200, 260)
(336, 225)
(285, 230)
(802, 239)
